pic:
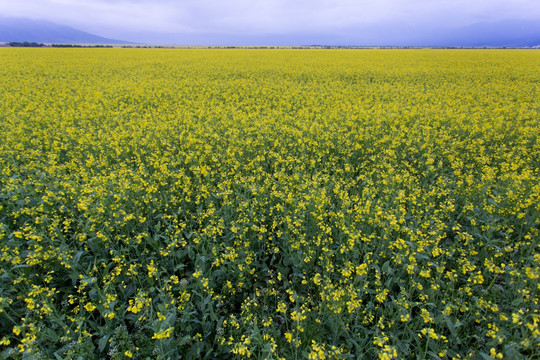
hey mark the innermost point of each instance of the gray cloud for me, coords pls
(158, 20)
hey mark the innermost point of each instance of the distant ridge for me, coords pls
(508, 33)
(41, 31)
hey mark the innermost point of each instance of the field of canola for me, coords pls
(269, 204)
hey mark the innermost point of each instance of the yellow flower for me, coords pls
(163, 334)
(282, 307)
(109, 315)
(426, 316)
(288, 336)
(90, 307)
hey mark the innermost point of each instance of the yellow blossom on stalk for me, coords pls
(164, 334)
(137, 304)
(430, 333)
(426, 316)
(494, 354)
(317, 351)
(90, 307)
(296, 316)
(281, 308)
(109, 315)
(388, 353)
(152, 269)
(288, 336)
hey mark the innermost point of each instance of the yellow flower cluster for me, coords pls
(164, 334)
(137, 304)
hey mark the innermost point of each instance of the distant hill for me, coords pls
(21, 30)
(509, 33)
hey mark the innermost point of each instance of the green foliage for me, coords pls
(24, 44)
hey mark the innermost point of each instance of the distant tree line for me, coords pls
(25, 44)
(80, 46)
(35, 44)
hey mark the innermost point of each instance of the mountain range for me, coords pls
(41, 31)
(508, 33)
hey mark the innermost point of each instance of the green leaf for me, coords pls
(103, 342)
(486, 356)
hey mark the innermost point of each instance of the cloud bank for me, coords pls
(163, 21)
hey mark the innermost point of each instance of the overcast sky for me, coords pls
(163, 21)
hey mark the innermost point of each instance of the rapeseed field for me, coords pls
(269, 204)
